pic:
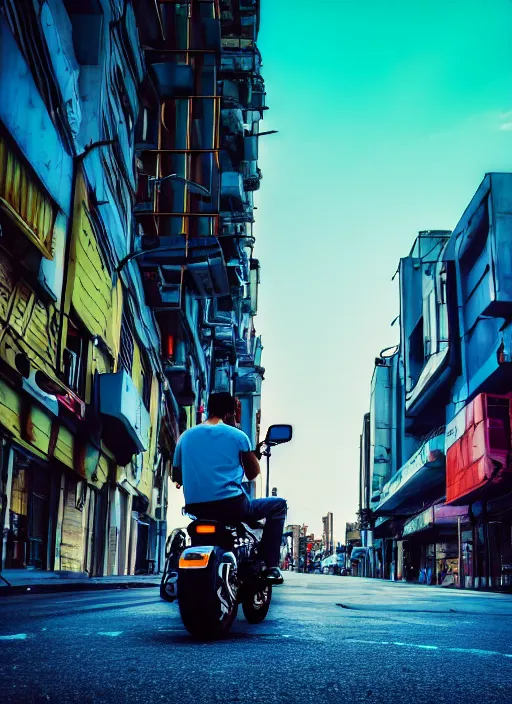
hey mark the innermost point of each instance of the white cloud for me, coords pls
(506, 121)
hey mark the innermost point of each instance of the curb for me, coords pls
(20, 589)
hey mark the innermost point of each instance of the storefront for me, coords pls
(488, 545)
(33, 495)
(432, 552)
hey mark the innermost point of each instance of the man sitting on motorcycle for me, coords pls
(210, 461)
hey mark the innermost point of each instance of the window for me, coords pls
(75, 359)
(147, 378)
(416, 352)
(430, 324)
(126, 346)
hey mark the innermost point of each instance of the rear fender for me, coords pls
(196, 558)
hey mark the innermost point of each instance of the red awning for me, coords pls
(477, 463)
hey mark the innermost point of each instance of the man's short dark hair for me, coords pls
(220, 405)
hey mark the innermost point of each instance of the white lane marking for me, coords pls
(17, 636)
(477, 651)
(468, 651)
(112, 634)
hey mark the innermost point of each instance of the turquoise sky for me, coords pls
(389, 115)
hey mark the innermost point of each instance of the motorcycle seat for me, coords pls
(255, 524)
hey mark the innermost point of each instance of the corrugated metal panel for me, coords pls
(38, 429)
(90, 282)
(10, 409)
(24, 201)
(26, 324)
(64, 447)
(7, 284)
(72, 541)
(137, 376)
(19, 493)
(10, 414)
(102, 470)
(112, 550)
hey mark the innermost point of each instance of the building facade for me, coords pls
(436, 491)
(128, 285)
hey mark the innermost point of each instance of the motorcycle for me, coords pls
(220, 569)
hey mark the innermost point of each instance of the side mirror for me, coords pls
(278, 434)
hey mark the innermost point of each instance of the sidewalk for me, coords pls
(40, 581)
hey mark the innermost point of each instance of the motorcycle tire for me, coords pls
(174, 547)
(204, 614)
(256, 605)
(168, 575)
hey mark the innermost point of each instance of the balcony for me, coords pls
(478, 445)
(428, 318)
(232, 190)
(420, 479)
(482, 250)
(251, 175)
(180, 380)
(383, 423)
(126, 421)
(24, 200)
(484, 281)
(240, 57)
(163, 269)
(221, 375)
(249, 380)
(224, 339)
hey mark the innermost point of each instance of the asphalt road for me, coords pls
(326, 639)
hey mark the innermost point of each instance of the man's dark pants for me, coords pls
(240, 508)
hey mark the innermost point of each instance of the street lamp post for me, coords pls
(267, 455)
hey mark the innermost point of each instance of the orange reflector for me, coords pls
(205, 529)
(194, 559)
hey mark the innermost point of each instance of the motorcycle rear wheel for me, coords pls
(256, 604)
(175, 545)
(202, 611)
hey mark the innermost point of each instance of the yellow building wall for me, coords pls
(24, 201)
(90, 290)
(27, 325)
(148, 458)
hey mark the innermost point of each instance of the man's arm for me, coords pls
(176, 476)
(250, 464)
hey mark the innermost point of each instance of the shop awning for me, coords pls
(421, 476)
(438, 515)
